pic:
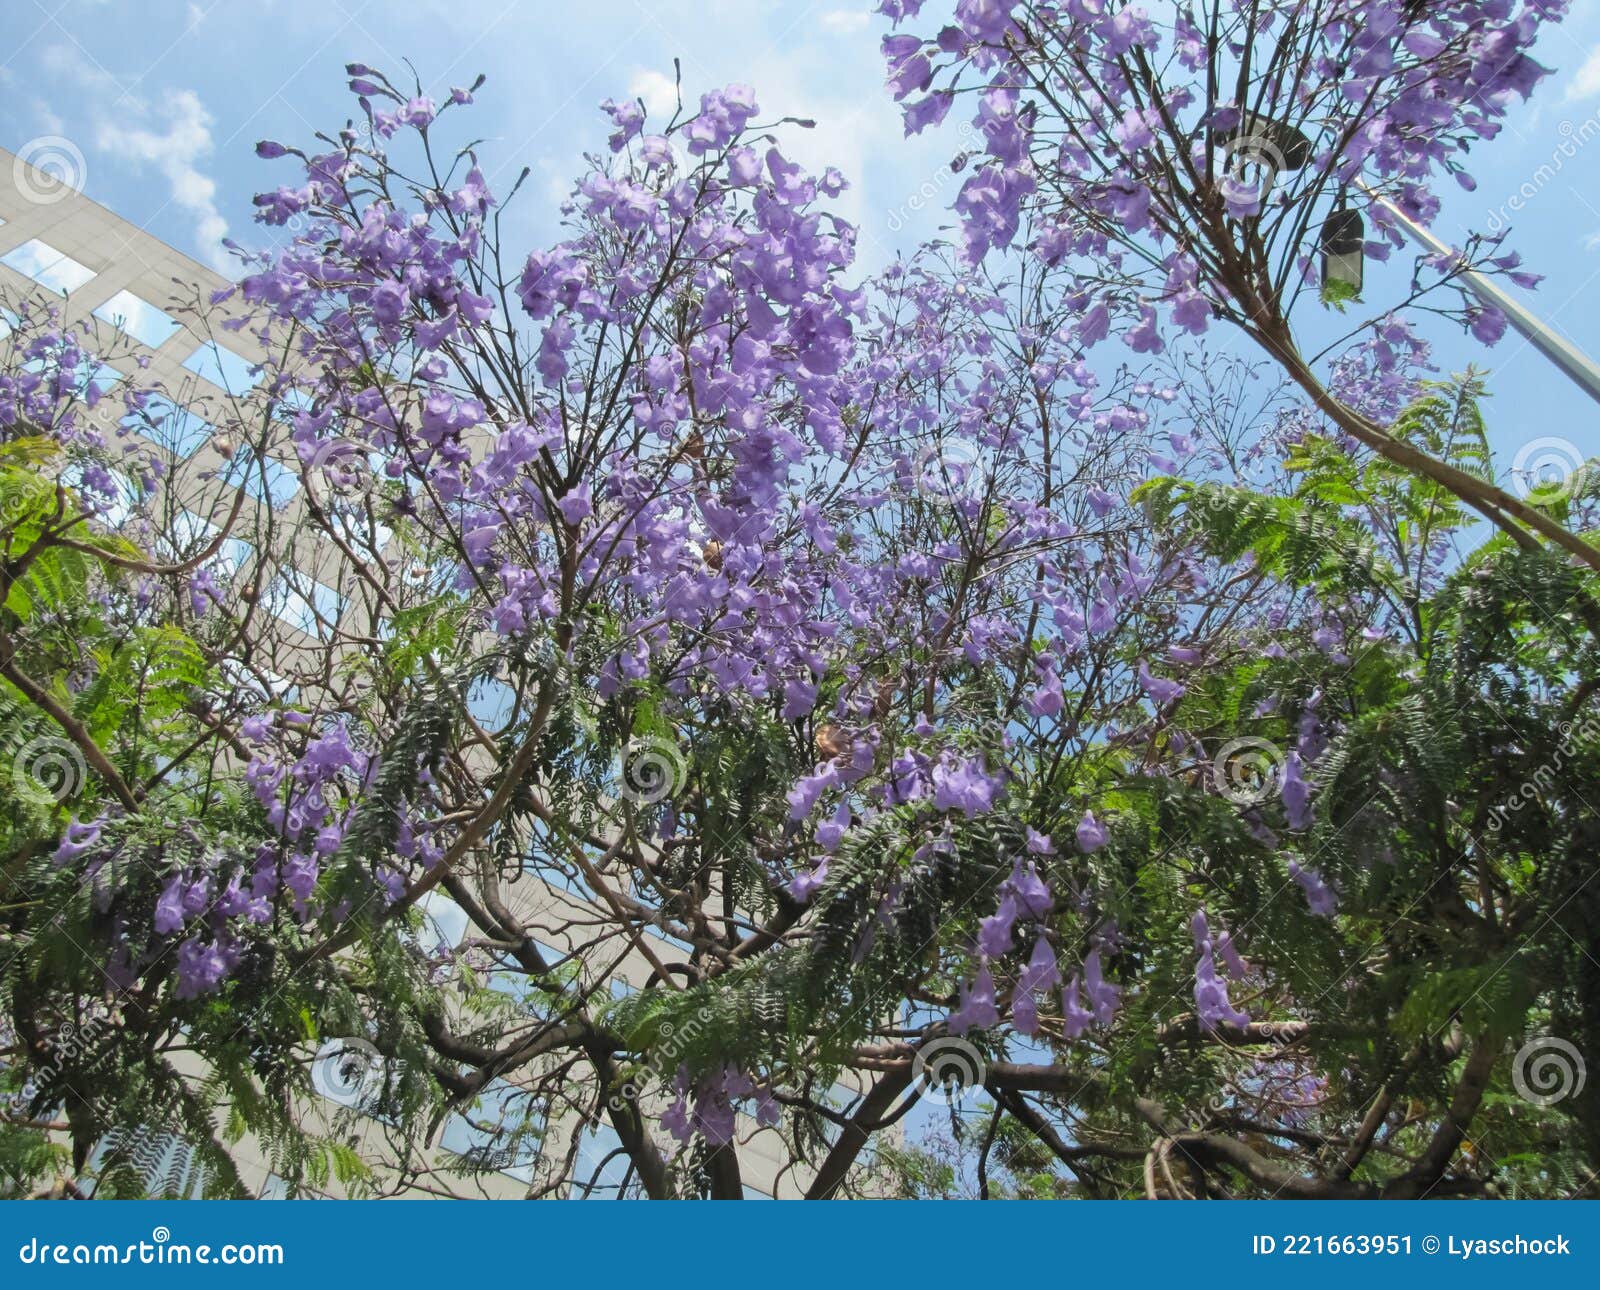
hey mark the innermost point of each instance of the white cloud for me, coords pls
(171, 139)
(174, 151)
(846, 20)
(1586, 82)
(658, 93)
(43, 113)
(557, 180)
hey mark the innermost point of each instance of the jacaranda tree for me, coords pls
(790, 690)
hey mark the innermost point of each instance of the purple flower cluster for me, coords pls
(1092, 989)
(1211, 1001)
(709, 1106)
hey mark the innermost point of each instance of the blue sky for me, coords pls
(165, 100)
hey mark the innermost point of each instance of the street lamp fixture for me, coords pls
(1258, 149)
(1343, 259)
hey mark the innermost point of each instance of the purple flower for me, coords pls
(1237, 968)
(1094, 326)
(1075, 1017)
(627, 116)
(169, 907)
(1091, 833)
(831, 832)
(418, 112)
(1101, 994)
(1191, 311)
(77, 839)
(927, 111)
(389, 301)
(1133, 132)
(976, 1009)
(799, 697)
(575, 506)
(996, 931)
(474, 308)
(1212, 1005)
(909, 74)
(1488, 324)
(1047, 699)
(1296, 793)
(201, 968)
(1041, 973)
(675, 1119)
(203, 592)
(768, 1112)
(1161, 690)
(805, 884)
(1319, 896)
(966, 787)
(1032, 892)
(473, 197)
(1024, 1013)
(1143, 337)
(1242, 199)
(803, 797)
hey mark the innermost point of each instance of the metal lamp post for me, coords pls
(1557, 348)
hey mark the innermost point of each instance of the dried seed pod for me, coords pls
(884, 700)
(832, 742)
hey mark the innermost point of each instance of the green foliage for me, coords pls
(1335, 293)
(1454, 798)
